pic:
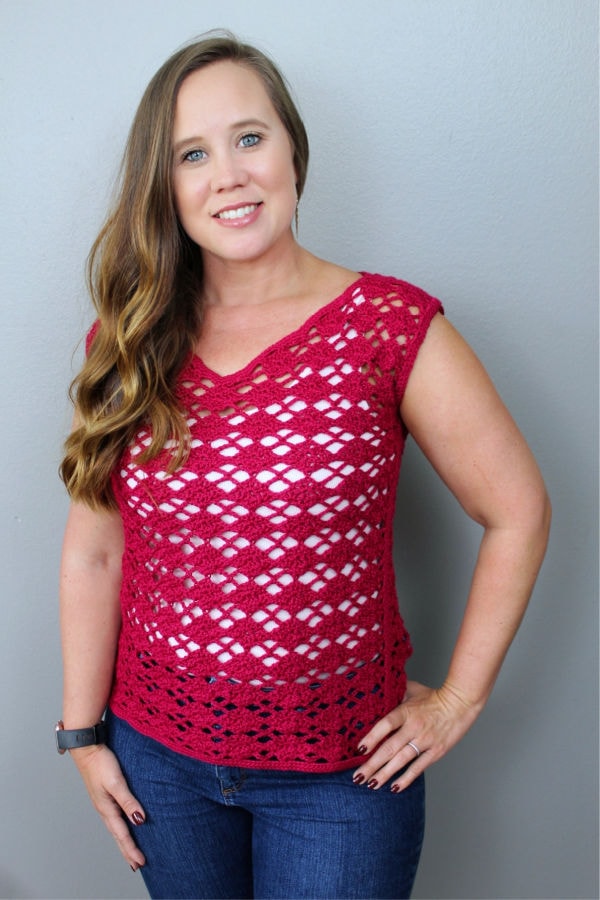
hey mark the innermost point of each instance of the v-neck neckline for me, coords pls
(196, 361)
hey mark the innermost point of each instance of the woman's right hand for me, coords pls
(106, 785)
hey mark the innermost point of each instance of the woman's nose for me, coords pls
(228, 172)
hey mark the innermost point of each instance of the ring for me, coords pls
(414, 747)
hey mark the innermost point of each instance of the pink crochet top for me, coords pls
(260, 624)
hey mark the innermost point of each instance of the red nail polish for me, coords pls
(395, 789)
(358, 778)
(137, 818)
(372, 783)
(362, 750)
(133, 868)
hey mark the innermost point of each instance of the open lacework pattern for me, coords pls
(260, 619)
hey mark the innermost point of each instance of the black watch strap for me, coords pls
(70, 739)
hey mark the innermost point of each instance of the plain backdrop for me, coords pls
(454, 144)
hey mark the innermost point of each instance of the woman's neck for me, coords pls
(248, 283)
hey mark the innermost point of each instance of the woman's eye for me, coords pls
(194, 156)
(249, 140)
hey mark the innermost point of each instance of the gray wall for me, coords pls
(454, 144)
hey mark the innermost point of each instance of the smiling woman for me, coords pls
(233, 176)
(227, 582)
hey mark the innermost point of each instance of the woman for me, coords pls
(227, 579)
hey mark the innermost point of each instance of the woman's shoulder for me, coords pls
(325, 280)
(330, 280)
(392, 306)
(390, 290)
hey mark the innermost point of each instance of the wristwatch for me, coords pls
(79, 737)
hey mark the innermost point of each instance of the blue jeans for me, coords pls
(218, 831)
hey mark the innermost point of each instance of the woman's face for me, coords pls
(233, 172)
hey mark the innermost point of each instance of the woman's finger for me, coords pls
(405, 762)
(112, 815)
(112, 798)
(393, 755)
(386, 726)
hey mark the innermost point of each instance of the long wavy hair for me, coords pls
(145, 279)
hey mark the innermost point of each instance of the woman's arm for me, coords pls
(456, 416)
(90, 580)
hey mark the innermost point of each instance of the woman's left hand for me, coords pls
(417, 733)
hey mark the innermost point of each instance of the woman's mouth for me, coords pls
(237, 213)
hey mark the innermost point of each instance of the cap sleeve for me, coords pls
(410, 311)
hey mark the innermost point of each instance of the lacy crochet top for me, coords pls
(260, 623)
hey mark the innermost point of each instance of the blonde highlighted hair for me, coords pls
(145, 280)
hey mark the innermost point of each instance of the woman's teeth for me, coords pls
(237, 213)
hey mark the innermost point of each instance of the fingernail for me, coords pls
(358, 778)
(372, 783)
(395, 789)
(137, 818)
(362, 750)
(133, 868)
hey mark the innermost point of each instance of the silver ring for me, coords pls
(414, 747)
